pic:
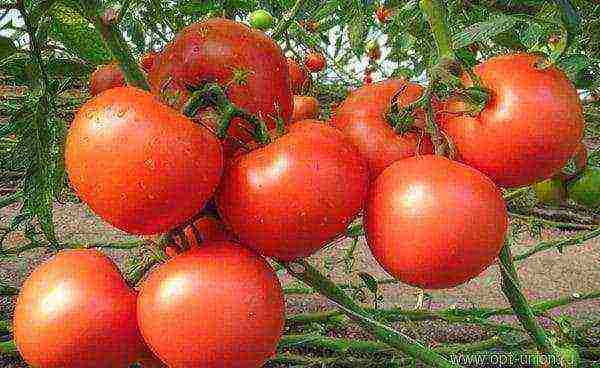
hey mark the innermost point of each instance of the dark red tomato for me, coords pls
(147, 61)
(382, 13)
(247, 62)
(299, 79)
(305, 107)
(217, 306)
(140, 165)
(75, 310)
(289, 198)
(529, 129)
(106, 77)
(362, 118)
(315, 62)
(434, 223)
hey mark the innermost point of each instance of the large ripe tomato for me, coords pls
(305, 107)
(106, 77)
(299, 79)
(315, 62)
(362, 118)
(75, 310)
(217, 306)
(530, 127)
(245, 61)
(140, 165)
(291, 197)
(434, 223)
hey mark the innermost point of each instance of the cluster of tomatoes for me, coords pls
(145, 168)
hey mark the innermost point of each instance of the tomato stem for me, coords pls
(303, 271)
(436, 16)
(8, 349)
(113, 38)
(511, 288)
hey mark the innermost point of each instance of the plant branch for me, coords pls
(312, 277)
(11, 199)
(8, 349)
(105, 22)
(436, 16)
(283, 24)
(559, 244)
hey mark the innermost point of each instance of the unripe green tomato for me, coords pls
(261, 19)
(551, 191)
(585, 189)
(569, 357)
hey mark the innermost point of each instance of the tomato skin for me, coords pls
(305, 107)
(289, 198)
(261, 19)
(529, 129)
(434, 223)
(361, 117)
(106, 77)
(138, 164)
(217, 306)
(247, 62)
(298, 77)
(551, 191)
(75, 310)
(585, 189)
(315, 62)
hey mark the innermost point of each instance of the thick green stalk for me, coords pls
(512, 290)
(436, 16)
(105, 22)
(397, 340)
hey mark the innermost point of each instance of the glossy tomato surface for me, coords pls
(315, 62)
(305, 107)
(529, 129)
(245, 61)
(75, 310)
(138, 164)
(299, 79)
(434, 223)
(362, 118)
(291, 197)
(106, 77)
(217, 306)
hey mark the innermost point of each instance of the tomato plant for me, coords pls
(261, 19)
(289, 198)
(219, 305)
(362, 118)
(551, 191)
(585, 189)
(172, 168)
(299, 79)
(106, 77)
(315, 62)
(75, 310)
(434, 223)
(530, 127)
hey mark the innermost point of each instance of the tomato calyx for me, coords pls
(212, 94)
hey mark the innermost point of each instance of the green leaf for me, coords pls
(483, 31)
(7, 47)
(369, 281)
(357, 33)
(78, 36)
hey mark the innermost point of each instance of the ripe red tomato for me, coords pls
(217, 306)
(362, 118)
(106, 77)
(289, 198)
(299, 79)
(305, 107)
(529, 129)
(434, 223)
(315, 62)
(75, 310)
(147, 61)
(138, 164)
(247, 62)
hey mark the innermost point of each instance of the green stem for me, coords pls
(5, 327)
(558, 244)
(115, 42)
(283, 25)
(8, 349)
(557, 224)
(436, 16)
(433, 129)
(6, 290)
(312, 277)
(512, 290)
